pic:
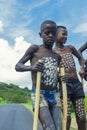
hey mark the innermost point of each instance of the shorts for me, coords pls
(74, 89)
(47, 98)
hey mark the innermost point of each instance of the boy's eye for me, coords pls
(64, 34)
(47, 33)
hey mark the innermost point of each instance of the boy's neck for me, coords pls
(49, 47)
(59, 45)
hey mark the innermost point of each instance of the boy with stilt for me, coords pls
(49, 105)
(75, 91)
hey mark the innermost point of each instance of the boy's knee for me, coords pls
(82, 120)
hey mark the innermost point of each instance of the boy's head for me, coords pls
(47, 24)
(62, 34)
(48, 32)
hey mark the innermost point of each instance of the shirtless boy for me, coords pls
(50, 105)
(75, 91)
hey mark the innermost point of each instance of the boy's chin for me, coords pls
(50, 42)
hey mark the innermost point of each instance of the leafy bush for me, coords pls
(2, 101)
(14, 94)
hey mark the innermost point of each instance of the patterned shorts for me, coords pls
(47, 98)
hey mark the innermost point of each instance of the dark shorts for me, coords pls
(74, 89)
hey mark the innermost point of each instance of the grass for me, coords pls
(73, 122)
(28, 105)
(72, 129)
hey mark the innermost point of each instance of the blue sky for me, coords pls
(20, 24)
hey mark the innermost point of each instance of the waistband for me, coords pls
(73, 80)
(46, 91)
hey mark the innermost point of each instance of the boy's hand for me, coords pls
(38, 66)
(81, 72)
(86, 62)
(64, 78)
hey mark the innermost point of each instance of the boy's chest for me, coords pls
(67, 60)
(44, 53)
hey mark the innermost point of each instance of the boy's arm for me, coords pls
(80, 59)
(76, 54)
(20, 66)
(82, 48)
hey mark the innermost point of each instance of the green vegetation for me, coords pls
(28, 105)
(2, 101)
(86, 103)
(10, 93)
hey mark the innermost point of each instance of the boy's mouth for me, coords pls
(50, 40)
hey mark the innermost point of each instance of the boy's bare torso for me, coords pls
(67, 61)
(49, 76)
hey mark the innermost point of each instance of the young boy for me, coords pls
(75, 91)
(81, 49)
(50, 105)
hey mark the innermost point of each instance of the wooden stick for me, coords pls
(64, 90)
(37, 99)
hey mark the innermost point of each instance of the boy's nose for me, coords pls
(66, 37)
(50, 34)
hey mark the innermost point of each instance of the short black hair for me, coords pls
(58, 27)
(47, 22)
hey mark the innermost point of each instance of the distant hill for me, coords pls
(13, 93)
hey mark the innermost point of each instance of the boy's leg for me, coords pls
(68, 123)
(80, 113)
(46, 119)
(57, 118)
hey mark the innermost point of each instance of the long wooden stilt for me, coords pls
(65, 106)
(36, 112)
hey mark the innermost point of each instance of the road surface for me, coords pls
(16, 117)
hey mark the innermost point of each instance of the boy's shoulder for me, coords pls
(66, 48)
(70, 47)
(33, 48)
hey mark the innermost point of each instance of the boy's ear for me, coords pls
(40, 34)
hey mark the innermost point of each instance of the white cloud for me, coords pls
(81, 28)
(38, 4)
(9, 56)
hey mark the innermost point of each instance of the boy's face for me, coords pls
(49, 34)
(62, 35)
